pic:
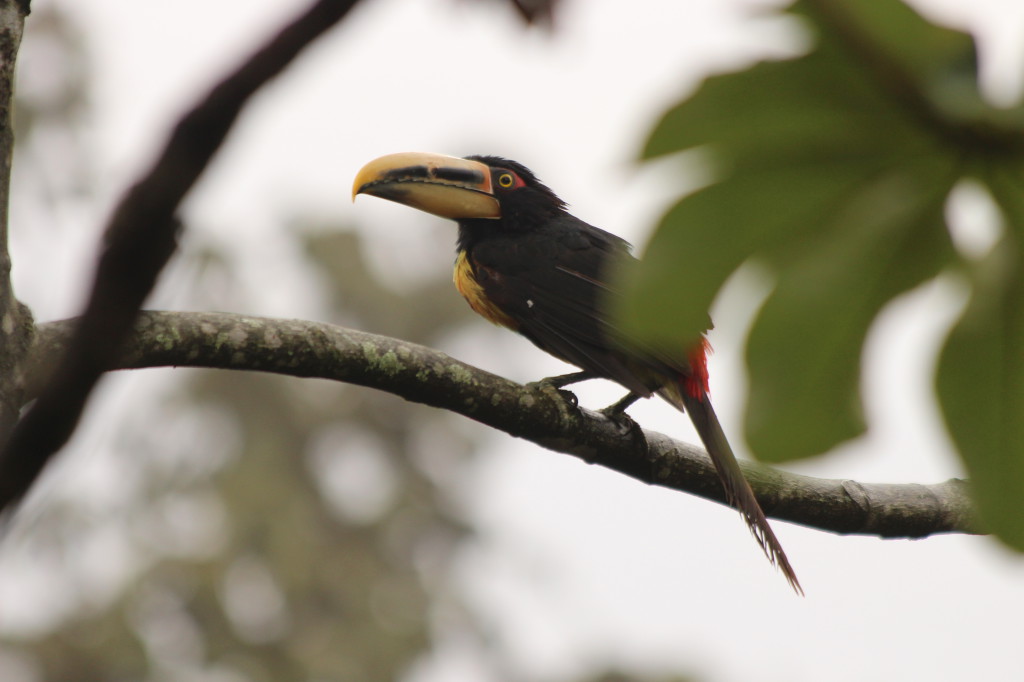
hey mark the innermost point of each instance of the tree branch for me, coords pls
(312, 349)
(140, 238)
(15, 319)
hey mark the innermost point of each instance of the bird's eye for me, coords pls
(506, 180)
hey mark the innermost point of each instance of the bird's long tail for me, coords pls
(690, 395)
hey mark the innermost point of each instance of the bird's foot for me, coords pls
(556, 384)
(552, 389)
(616, 413)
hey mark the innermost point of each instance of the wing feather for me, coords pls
(557, 293)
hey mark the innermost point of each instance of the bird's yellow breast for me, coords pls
(467, 284)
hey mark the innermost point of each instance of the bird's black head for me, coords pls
(527, 204)
(486, 195)
(512, 182)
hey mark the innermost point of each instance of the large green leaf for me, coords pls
(832, 171)
(789, 138)
(707, 235)
(805, 348)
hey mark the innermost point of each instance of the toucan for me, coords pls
(525, 263)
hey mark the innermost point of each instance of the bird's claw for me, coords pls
(626, 425)
(623, 421)
(554, 387)
(559, 382)
(569, 397)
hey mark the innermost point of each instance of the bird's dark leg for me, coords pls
(616, 412)
(618, 408)
(563, 380)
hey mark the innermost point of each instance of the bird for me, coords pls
(525, 263)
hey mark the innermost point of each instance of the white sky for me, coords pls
(577, 566)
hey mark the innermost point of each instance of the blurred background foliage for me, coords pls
(272, 528)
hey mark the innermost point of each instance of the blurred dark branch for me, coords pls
(140, 238)
(543, 416)
(15, 319)
(888, 73)
(535, 11)
(12, 23)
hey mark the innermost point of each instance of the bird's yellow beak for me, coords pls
(445, 186)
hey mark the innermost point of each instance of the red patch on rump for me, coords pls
(696, 384)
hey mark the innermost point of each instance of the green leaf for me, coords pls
(804, 350)
(832, 170)
(837, 95)
(818, 105)
(896, 32)
(791, 139)
(707, 235)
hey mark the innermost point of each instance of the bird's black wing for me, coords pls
(553, 283)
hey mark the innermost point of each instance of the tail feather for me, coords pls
(737, 490)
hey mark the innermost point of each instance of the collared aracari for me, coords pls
(523, 262)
